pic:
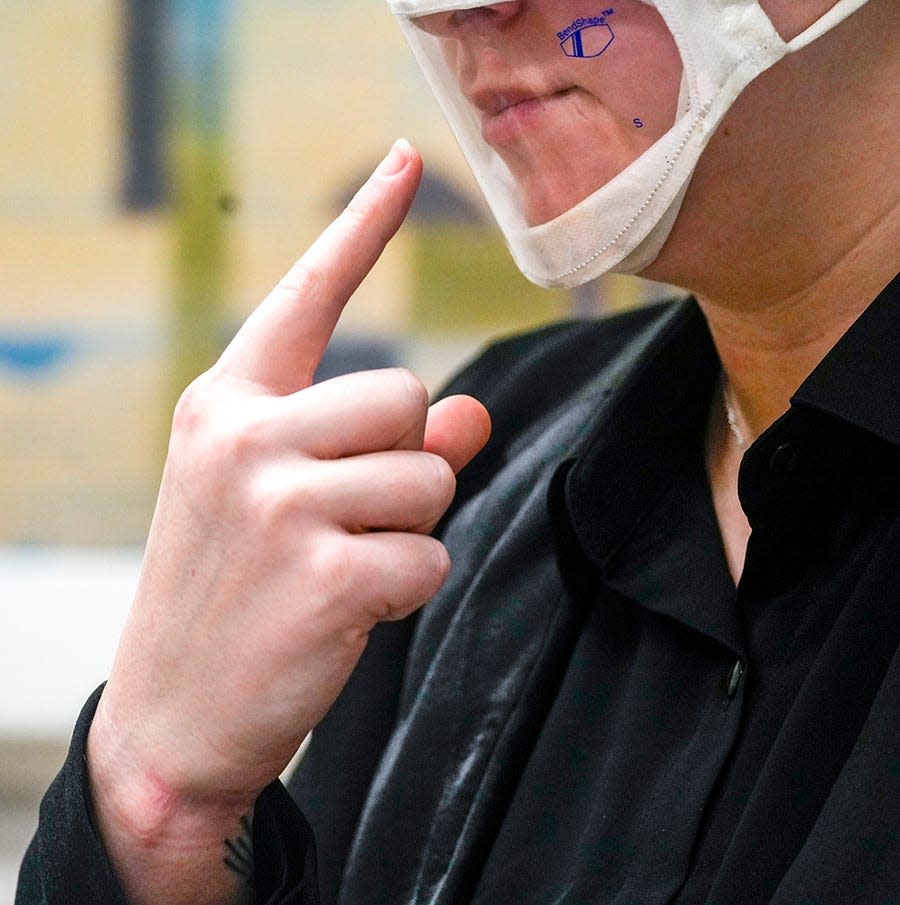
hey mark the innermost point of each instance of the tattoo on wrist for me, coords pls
(239, 851)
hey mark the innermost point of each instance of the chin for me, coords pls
(543, 210)
(564, 173)
(546, 197)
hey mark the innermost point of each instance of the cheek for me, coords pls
(628, 100)
(640, 78)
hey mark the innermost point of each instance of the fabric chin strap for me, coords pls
(821, 26)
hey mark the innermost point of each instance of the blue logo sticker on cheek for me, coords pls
(587, 37)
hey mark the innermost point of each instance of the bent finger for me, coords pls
(398, 573)
(397, 491)
(357, 413)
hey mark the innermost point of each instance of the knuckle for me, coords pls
(226, 452)
(417, 575)
(237, 444)
(435, 567)
(302, 280)
(331, 567)
(363, 216)
(357, 213)
(431, 564)
(390, 610)
(414, 392)
(192, 409)
(443, 480)
(284, 502)
(354, 640)
(440, 559)
(270, 506)
(202, 443)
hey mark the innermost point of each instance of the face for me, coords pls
(568, 92)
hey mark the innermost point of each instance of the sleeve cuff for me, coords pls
(67, 861)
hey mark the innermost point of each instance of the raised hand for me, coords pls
(291, 519)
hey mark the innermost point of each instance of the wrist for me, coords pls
(165, 842)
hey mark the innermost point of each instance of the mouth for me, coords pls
(506, 113)
(494, 101)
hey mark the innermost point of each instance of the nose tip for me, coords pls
(491, 14)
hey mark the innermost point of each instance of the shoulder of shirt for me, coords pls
(521, 379)
(537, 370)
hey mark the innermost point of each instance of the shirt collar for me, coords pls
(858, 381)
(656, 422)
(658, 413)
(636, 449)
(632, 493)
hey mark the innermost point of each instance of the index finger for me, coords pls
(281, 343)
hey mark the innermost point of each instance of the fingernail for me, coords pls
(396, 160)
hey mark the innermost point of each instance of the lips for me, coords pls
(508, 113)
(494, 101)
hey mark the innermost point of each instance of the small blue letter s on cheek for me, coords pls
(638, 124)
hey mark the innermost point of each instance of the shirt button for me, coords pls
(784, 459)
(734, 680)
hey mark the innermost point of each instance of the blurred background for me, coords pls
(163, 162)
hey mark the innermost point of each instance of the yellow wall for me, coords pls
(75, 462)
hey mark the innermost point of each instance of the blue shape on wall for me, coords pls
(34, 357)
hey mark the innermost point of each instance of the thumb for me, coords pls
(456, 429)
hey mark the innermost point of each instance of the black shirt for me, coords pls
(699, 728)
(590, 712)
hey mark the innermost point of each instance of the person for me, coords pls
(664, 665)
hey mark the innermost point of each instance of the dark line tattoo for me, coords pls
(239, 851)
